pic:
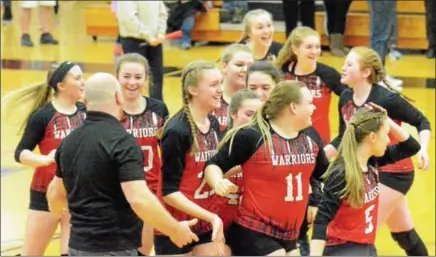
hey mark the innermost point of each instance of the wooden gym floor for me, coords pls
(23, 66)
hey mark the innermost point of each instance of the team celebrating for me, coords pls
(245, 167)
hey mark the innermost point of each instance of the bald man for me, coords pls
(100, 170)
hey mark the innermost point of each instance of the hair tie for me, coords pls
(60, 73)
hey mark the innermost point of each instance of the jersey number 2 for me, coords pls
(148, 155)
(290, 188)
(368, 219)
(198, 194)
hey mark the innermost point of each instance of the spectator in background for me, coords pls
(336, 11)
(142, 26)
(430, 7)
(118, 49)
(233, 10)
(7, 12)
(383, 16)
(294, 11)
(45, 9)
(182, 17)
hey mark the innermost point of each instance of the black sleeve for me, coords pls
(175, 145)
(33, 133)
(329, 205)
(399, 109)
(244, 144)
(321, 166)
(342, 126)
(399, 151)
(166, 113)
(58, 161)
(332, 80)
(129, 159)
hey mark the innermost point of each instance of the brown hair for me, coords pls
(283, 94)
(192, 75)
(295, 39)
(238, 99)
(248, 22)
(135, 58)
(36, 95)
(369, 59)
(267, 68)
(361, 125)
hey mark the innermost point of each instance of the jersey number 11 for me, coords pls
(291, 181)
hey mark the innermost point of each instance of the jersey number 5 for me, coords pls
(290, 188)
(368, 219)
(148, 155)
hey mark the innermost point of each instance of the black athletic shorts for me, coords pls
(350, 249)
(399, 181)
(247, 242)
(164, 246)
(38, 201)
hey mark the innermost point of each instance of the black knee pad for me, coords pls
(411, 243)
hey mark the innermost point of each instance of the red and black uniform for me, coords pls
(46, 129)
(399, 175)
(183, 172)
(222, 114)
(273, 52)
(321, 83)
(347, 230)
(143, 127)
(276, 187)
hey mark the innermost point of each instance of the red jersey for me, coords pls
(143, 127)
(183, 172)
(321, 83)
(398, 110)
(228, 206)
(46, 129)
(336, 221)
(222, 114)
(276, 181)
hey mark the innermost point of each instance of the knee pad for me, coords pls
(410, 242)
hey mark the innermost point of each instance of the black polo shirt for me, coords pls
(93, 161)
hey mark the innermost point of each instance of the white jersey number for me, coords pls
(290, 188)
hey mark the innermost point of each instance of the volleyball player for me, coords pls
(298, 59)
(50, 120)
(242, 108)
(258, 35)
(278, 153)
(262, 77)
(188, 140)
(361, 71)
(142, 117)
(347, 213)
(235, 61)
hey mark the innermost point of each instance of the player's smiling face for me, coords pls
(132, 78)
(309, 50)
(235, 71)
(262, 83)
(73, 85)
(262, 30)
(352, 72)
(208, 90)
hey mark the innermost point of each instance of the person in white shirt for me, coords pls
(142, 26)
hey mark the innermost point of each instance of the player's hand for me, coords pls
(423, 160)
(225, 187)
(218, 235)
(372, 106)
(48, 159)
(311, 213)
(184, 235)
(158, 40)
